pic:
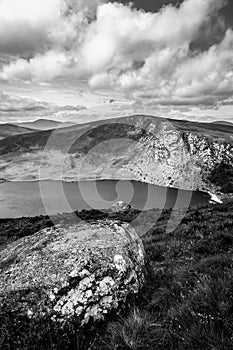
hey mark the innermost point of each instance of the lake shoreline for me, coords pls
(32, 198)
(214, 197)
(90, 179)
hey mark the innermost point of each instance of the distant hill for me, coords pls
(46, 124)
(219, 122)
(12, 130)
(164, 152)
(216, 130)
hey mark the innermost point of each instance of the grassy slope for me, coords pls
(7, 130)
(186, 304)
(216, 130)
(222, 176)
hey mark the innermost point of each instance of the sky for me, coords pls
(90, 59)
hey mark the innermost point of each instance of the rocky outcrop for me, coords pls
(82, 272)
(120, 206)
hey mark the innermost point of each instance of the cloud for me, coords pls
(151, 57)
(17, 109)
(41, 67)
(125, 35)
(29, 27)
(24, 25)
(205, 78)
(12, 104)
(170, 72)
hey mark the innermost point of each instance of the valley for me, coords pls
(163, 152)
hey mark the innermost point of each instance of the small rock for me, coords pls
(120, 207)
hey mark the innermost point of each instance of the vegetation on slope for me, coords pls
(222, 176)
(7, 130)
(186, 304)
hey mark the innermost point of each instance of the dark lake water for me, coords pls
(50, 197)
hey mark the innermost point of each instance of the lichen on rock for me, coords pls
(81, 272)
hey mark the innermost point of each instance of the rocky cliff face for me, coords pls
(171, 157)
(159, 151)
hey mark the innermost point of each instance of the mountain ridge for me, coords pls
(9, 129)
(159, 151)
(46, 124)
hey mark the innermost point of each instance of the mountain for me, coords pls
(46, 124)
(223, 122)
(11, 130)
(160, 151)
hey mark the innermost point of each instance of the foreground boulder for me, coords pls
(82, 272)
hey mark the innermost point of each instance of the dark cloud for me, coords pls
(156, 5)
(150, 5)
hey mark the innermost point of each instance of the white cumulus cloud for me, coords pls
(147, 56)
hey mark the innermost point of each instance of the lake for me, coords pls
(50, 197)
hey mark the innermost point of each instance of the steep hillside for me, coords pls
(159, 151)
(7, 130)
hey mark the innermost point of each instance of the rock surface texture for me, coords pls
(120, 206)
(80, 272)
